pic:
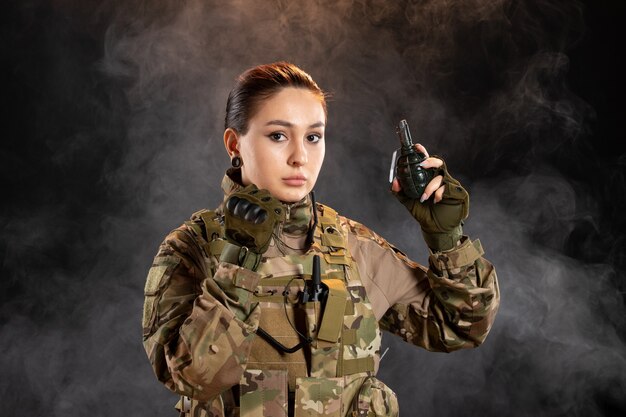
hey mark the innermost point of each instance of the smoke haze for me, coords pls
(115, 113)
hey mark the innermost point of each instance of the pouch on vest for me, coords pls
(263, 393)
(375, 399)
(317, 397)
(334, 309)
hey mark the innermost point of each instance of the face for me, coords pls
(284, 148)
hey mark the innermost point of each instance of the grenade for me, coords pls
(412, 177)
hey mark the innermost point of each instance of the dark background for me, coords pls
(113, 116)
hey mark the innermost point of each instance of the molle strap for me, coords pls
(338, 257)
(240, 255)
(349, 308)
(334, 310)
(285, 289)
(278, 299)
(348, 337)
(355, 366)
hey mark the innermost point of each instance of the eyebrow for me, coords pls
(289, 124)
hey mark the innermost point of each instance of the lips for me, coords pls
(295, 180)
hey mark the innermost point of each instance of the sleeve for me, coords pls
(449, 306)
(198, 327)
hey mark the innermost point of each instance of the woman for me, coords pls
(273, 305)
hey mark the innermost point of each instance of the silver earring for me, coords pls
(236, 162)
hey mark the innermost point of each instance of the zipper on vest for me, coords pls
(288, 212)
(281, 225)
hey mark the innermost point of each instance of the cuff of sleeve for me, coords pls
(463, 255)
(230, 275)
(439, 242)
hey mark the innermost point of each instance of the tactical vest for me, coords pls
(334, 374)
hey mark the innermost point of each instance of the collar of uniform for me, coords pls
(298, 216)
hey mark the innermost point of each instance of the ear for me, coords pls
(231, 142)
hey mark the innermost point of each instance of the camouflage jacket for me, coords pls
(201, 316)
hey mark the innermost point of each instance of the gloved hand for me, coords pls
(442, 208)
(250, 216)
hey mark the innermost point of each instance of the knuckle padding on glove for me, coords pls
(250, 217)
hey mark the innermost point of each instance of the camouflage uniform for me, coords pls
(201, 316)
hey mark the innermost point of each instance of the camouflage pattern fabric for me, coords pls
(200, 315)
(467, 302)
(375, 399)
(263, 393)
(319, 397)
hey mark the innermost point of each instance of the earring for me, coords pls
(236, 162)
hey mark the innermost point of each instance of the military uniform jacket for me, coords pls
(202, 316)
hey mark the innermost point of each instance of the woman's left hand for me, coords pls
(440, 223)
(435, 186)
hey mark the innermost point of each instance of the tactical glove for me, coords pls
(441, 223)
(250, 216)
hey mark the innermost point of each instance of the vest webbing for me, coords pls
(212, 239)
(209, 231)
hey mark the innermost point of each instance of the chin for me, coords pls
(291, 197)
(290, 200)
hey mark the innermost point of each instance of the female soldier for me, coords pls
(273, 305)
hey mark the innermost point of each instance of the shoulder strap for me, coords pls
(212, 224)
(208, 229)
(332, 238)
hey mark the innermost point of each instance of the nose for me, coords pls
(298, 155)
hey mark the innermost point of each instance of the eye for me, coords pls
(277, 136)
(314, 138)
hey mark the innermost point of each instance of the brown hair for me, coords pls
(260, 83)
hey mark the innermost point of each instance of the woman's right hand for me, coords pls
(250, 216)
